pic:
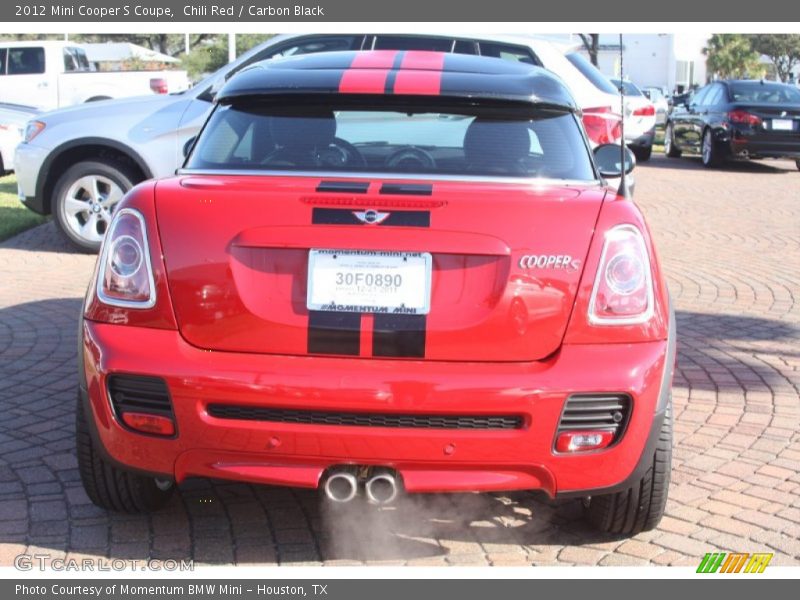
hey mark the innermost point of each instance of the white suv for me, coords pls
(78, 162)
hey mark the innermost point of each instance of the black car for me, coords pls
(737, 119)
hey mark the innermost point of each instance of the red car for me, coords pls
(380, 273)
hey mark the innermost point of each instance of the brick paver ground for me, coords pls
(730, 244)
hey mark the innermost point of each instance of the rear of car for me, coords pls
(737, 119)
(639, 119)
(764, 120)
(602, 118)
(383, 271)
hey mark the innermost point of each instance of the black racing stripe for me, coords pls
(392, 75)
(334, 216)
(345, 216)
(407, 189)
(351, 187)
(334, 333)
(399, 336)
(408, 218)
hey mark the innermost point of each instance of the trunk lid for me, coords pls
(780, 122)
(237, 248)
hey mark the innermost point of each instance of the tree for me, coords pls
(212, 54)
(730, 56)
(591, 41)
(782, 49)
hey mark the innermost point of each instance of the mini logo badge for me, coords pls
(371, 217)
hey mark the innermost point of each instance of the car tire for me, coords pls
(640, 507)
(643, 154)
(112, 488)
(84, 199)
(670, 149)
(709, 150)
(797, 164)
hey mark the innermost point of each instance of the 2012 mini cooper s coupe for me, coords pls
(382, 273)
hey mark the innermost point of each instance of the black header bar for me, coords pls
(451, 11)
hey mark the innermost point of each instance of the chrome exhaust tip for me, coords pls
(341, 487)
(382, 488)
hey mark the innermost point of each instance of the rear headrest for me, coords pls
(496, 144)
(310, 132)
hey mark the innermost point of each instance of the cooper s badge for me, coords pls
(549, 261)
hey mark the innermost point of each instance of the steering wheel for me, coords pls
(406, 159)
(340, 153)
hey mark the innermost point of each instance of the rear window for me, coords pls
(591, 73)
(425, 140)
(628, 88)
(766, 93)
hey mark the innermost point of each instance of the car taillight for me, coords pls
(623, 287)
(645, 111)
(743, 117)
(125, 275)
(603, 126)
(159, 85)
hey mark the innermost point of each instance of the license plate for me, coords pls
(782, 125)
(366, 281)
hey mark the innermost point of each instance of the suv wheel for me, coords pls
(797, 164)
(670, 149)
(85, 198)
(112, 488)
(640, 507)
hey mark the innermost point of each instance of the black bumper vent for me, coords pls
(596, 411)
(137, 393)
(313, 417)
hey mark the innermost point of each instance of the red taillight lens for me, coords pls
(743, 117)
(159, 85)
(155, 424)
(125, 275)
(581, 441)
(645, 111)
(623, 288)
(602, 125)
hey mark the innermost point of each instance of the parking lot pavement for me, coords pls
(730, 244)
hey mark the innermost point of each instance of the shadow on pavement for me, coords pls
(689, 162)
(733, 352)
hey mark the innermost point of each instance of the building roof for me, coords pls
(122, 51)
(408, 73)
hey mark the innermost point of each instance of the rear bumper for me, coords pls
(744, 143)
(641, 140)
(428, 460)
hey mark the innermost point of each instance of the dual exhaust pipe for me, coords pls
(381, 486)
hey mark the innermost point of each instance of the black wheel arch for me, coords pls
(78, 150)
